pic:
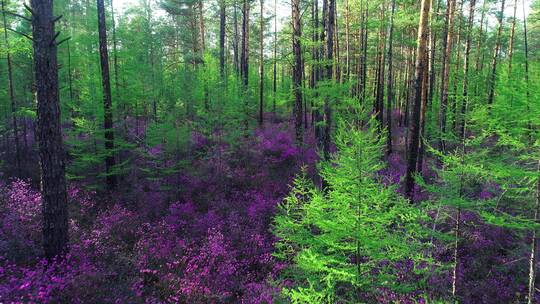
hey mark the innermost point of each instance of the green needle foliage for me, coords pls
(353, 237)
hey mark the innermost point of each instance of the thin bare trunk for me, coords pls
(12, 95)
(445, 73)
(493, 76)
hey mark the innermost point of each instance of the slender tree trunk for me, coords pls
(493, 76)
(478, 65)
(511, 43)
(49, 132)
(415, 126)
(445, 73)
(390, 92)
(534, 255)
(261, 66)
(466, 64)
(222, 39)
(201, 27)
(432, 51)
(457, 68)
(12, 95)
(364, 53)
(297, 68)
(275, 59)
(347, 42)
(236, 56)
(425, 95)
(244, 60)
(330, 26)
(526, 50)
(379, 88)
(107, 101)
(115, 54)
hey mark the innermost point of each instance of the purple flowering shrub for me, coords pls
(20, 223)
(196, 235)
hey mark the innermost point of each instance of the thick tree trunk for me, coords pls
(417, 104)
(49, 133)
(107, 101)
(12, 95)
(297, 68)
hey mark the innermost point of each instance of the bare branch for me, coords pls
(62, 41)
(54, 38)
(57, 18)
(17, 15)
(28, 9)
(22, 34)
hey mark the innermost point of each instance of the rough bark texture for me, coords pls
(107, 101)
(415, 126)
(49, 133)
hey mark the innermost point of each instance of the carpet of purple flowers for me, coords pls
(207, 239)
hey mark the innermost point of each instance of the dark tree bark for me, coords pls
(330, 26)
(419, 83)
(297, 68)
(12, 95)
(107, 101)
(49, 133)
